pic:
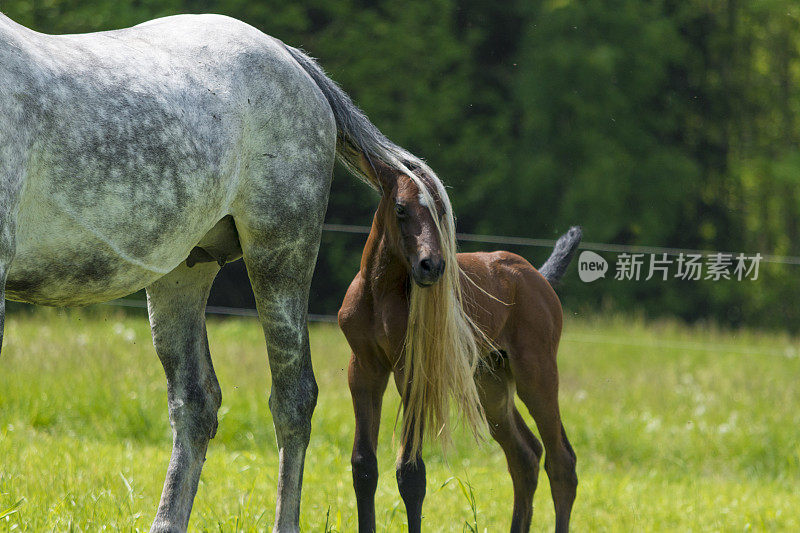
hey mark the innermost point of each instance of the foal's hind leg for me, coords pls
(521, 448)
(177, 303)
(536, 377)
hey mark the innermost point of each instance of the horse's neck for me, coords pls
(380, 266)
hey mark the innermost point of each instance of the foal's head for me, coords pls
(412, 227)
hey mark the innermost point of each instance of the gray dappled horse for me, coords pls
(148, 157)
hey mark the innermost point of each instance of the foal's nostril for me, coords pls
(426, 265)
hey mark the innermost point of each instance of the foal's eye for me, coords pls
(400, 210)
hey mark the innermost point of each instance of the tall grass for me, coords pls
(675, 428)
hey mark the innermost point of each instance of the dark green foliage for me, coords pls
(659, 122)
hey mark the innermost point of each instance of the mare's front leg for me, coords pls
(176, 304)
(367, 379)
(410, 476)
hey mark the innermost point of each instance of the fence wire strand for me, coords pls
(585, 245)
(470, 237)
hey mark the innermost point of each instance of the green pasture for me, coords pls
(676, 429)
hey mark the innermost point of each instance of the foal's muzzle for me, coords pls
(427, 271)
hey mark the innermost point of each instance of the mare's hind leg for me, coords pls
(6, 254)
(521, 448)
(536, 377)
(278, 212)
(280, 284)
(280, 261)
(176, 304)
(10, 184)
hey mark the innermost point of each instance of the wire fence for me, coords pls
(542, 243)
(585, 245)
(594, 338)
(471, 237)
(216, 310)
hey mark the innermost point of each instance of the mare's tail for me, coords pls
(553, 269)
(356, 135)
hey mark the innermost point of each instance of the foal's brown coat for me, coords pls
(522, 318)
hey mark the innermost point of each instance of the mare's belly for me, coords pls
(115, 225)
(73, 277)
(61, 260)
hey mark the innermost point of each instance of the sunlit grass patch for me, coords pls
(675, 428)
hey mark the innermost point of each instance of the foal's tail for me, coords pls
(553, 269)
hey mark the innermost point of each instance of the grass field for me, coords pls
(675, 428)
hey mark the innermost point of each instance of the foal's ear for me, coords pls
(379, 172)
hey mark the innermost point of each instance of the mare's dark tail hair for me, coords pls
(553, 269)
(356, 135)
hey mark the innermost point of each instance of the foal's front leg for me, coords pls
(367, 381)
(176, 304)
(410, 477)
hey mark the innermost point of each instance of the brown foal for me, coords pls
(517, 310)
